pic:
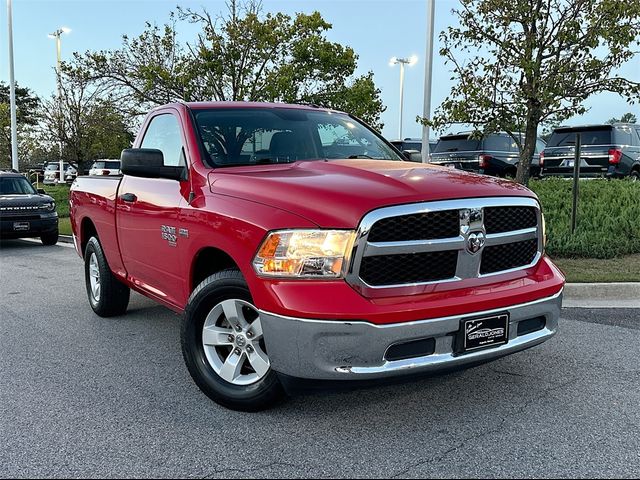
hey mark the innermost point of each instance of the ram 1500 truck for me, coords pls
(299, 245)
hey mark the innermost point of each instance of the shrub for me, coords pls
(608, 217)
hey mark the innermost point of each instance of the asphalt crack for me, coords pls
(223, 471)
(484, 434)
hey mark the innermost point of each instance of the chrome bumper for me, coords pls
(338, 350)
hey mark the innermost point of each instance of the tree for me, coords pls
(26, 115)
(626, 118)
(243, 55)
(535, 62)
(86, 122)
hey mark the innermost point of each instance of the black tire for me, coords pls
(266, 392)
(635, 176)
(113, 297)
(49, 238)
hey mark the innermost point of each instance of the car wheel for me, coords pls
(107, 295)
(635, 176)
(50, 238)
(223, 345)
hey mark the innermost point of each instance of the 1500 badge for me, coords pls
(169, 234)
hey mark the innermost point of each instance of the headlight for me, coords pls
(304, 253)
(49, 206)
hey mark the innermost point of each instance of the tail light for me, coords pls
(542, 159)
(105, 172)
(483, 160)
(615, 154)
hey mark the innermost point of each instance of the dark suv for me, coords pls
(25, 212)
(495, 154)
(414, 148)
(611, 151)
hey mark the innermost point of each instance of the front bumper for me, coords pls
(45, 224)
(351, 350)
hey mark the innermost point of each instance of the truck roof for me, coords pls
(213, 105)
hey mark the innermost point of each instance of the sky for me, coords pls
(376, 29)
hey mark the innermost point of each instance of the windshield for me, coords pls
(250, 136)
(15, 186)
(460, 143)
(564, 138)
(52, 166)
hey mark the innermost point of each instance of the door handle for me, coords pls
(128, 197)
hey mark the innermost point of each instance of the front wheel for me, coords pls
(49, 238)
(223, 345)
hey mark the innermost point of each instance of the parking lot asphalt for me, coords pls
(83, 396)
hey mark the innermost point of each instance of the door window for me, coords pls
(164, 134)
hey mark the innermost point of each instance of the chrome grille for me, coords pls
(401, 249)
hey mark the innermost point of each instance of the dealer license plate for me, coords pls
(20, 226)
(485, 332)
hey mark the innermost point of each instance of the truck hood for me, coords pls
(338, 193)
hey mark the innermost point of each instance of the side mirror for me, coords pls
(149, 163)
(41, 191)
(412, 155)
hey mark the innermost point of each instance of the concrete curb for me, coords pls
(602, 295)
(65, 239)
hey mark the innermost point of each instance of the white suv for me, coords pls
(105, 167)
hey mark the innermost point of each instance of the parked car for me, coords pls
(495, 154)
(611, 151)
(35, 171)
(52, 173)
(105, 167)
(304, 247)
(25, 211)
(414, 147)
(70, 174)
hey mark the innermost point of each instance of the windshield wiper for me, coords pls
(359, 156)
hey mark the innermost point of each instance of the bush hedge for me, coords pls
(608, 217)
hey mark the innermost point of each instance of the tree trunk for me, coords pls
(530, 137)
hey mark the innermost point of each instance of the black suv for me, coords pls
(611, 151)
(413, 147)
(25, 212)
(495, 154)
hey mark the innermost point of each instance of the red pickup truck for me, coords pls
(301, 247)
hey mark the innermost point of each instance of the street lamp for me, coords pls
(57, 36)
(12, 92)
(402, 62)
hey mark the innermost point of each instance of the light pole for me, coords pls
(12, 92)
(56, 35)
(428, 64)
(402, 62)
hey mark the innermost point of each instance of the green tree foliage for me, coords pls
(26, 115)
(523, 63)
(86, 122)
(243, 55)
(626, 118)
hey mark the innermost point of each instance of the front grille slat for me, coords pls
(508, 255)
(409, 268)
(507, 219)
(419, 226)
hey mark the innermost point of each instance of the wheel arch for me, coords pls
(209, 261)
(87, 230)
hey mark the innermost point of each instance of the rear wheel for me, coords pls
(635, 176)
(50, 238)
(223, 345)
(107, 295)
